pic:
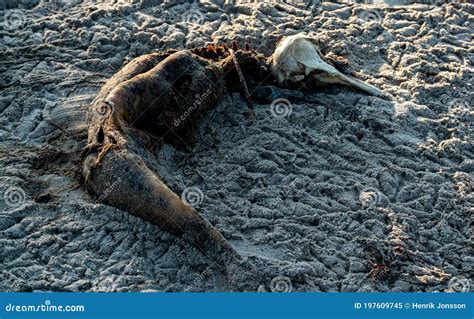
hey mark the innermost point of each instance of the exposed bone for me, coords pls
(245, 88)
(298, 56)
(154, 97)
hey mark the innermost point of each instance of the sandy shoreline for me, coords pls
(316, 197)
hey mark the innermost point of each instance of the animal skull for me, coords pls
(297, 56)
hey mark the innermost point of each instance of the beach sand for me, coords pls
(335, 191)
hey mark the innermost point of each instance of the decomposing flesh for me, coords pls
(159, 98)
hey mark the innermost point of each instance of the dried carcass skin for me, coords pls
(161, 96)
(148, 96)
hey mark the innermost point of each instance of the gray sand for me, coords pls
(313, 197)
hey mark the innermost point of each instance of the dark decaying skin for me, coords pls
(161, 96)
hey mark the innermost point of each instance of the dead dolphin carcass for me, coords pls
(153, 99)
